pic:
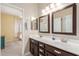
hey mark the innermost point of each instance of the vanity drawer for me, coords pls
(48, 53)
(41, 54)
(41, 45)
(41, 50)
(57, 51)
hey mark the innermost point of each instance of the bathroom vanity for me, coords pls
(63, 22)
(41, 48)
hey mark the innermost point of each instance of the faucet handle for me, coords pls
(40, 36)
(53, 38)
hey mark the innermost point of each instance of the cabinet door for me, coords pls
(48, 54)
(34, 47)
(36, 50)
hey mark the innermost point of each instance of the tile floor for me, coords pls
(12, 49)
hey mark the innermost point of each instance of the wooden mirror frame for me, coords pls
(48, 24)
(36, 25)
(74, 16)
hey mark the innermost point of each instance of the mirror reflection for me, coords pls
(44, 23)
(64, 21)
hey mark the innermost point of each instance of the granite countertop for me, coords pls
(70, 47)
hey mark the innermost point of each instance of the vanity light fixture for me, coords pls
(59, 5)
(47, 8)
(52, 5)
(32, 18)
(43, 11)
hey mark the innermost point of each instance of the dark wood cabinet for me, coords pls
(42, 49)
(56, 51)
(34, 47)
(48, 53)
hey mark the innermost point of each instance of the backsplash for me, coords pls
(61, 36)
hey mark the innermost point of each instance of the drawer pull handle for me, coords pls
(57, 51)
(40, 50)
(32, 41)
(40, 45)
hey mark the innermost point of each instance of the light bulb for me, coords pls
(32, 18)
(52, 5)
(43, 11)
(58, 4)
(47, 8)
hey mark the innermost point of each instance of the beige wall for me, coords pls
(8, 26)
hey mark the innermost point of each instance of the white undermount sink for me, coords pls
(69, 41)
(73, 42)
(49, 39)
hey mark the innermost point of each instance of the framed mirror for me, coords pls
(57, 25)
(64, 21)
(44, 24)
(34, 24)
